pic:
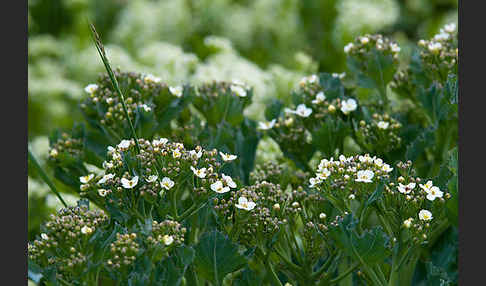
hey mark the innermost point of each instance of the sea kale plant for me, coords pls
(365, 192)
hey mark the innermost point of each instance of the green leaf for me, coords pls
(425, 139)
(216, 256)
(171, 270)
(273, 109)
(34, 271)
(376, 195)
(370, 246)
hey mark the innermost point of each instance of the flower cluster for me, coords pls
(440, 54)
(123, 251)
(164, 166)
(222, 100)
(65, 240)
(67, 145)
(166, 233)
(257, 211)
(143, 93)
(364, 44)
(381, 135)
(349, 178)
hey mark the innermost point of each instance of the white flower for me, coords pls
(322, 216)
(86, 230)
(53, 153)
(365, 176)
(102, 192)
(227, 157)
(314, 181)
(323, 174)
(426, 187)
(167, 183)
(303, 111)
(352, 197)
(124, 144)
(238, 82)
(406, 189)
(450, 28)
(219, 188)
(151, 78)
(238, 90)
(109, 100)
(383, 124)
(425, 215)
(151, 178)
(338, 75)
(128, 184)
(386, 168)
(176, 153)
(159, 142)
(266, 125)
(168, 239)
(106, 178)
(44, 236)
(378, 162)
(394, 48)
(433, 193)
(441, 36)
(320, 97)
(195, 154)
(408, 222)
(364, 40)
(228, 181)
(176, 90)
(348, 47)
(91, 88)
(146, 107)
(86, 179)
(348, 106)
(365, 159)
(201, 173)
(107, 165)
(243, 203)
(434, 46)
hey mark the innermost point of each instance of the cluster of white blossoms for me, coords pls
(364, 43)
(437, 43)
(361, 169)
(312, 79)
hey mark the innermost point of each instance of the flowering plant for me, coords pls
(171, 195)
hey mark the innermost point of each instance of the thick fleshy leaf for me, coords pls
(216, 256)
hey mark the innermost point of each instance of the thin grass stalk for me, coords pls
(104, 58)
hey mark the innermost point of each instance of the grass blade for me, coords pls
(101, 51)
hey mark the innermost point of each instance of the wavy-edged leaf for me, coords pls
(216, 256)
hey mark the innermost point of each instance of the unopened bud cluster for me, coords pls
(166, 233)
(68, 145)
(381, 134)
(267, 216)
(64, 244)
(123, 251)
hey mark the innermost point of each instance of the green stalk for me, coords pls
(45, 178)
(101, 51)
(345, 273)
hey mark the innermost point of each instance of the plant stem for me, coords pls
(45, 178)
(345, 273)
(101, 51)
